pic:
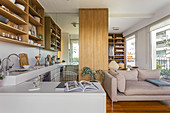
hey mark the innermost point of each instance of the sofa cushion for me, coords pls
(112, 72)
(158, 82)
(129, 75)
(149, 74)
(145, 88)
(121, 82)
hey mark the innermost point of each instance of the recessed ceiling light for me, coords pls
(115, 28)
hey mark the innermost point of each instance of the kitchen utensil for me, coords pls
(38, 60)
(21, 6)
(23, 59)
(49, 59)
(3, 19)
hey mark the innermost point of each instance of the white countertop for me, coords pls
(46, 88)
(22, 77)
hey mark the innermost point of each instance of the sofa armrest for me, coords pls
(110, 85)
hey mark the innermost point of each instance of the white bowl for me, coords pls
(13, 1)
(26, 66)
(21, 6)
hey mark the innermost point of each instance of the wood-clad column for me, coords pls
(93, 39)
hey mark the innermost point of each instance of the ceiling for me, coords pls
(65, 20)
(123, 13)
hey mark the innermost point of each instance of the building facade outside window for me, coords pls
(161, 50)
(130, 51)
(74, 50)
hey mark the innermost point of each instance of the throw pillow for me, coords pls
(121, 82)
(112, 72)
(129, 75)
(149, 74)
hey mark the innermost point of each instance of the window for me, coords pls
(130, 51)
(161, 48)
(74, 50)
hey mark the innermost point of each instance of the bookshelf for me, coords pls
(117, 48)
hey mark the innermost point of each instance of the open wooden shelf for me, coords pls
(11, 29)
(119, 55)
(33, 12)
(22, 23)
(112, 44)
(119, 43)
(120, 47)
(11, 17)
(34, 21)
(119, 39)
(119, 51)
(57, 37)
(34, 38)
(52, 34)
(13, 7)
(4, 39)
(22, 2)
(119, 59)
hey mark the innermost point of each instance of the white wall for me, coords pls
(8, 48)
(143, 48)
(143, 39)
(163, 12)
(64, 46)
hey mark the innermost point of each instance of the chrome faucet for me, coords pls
(3, 71)
(7, 64)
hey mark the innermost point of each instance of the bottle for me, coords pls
(46, 62)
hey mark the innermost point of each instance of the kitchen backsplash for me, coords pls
(8, 48)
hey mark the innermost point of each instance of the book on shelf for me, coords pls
(81, 86)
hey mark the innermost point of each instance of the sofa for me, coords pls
(132, 86)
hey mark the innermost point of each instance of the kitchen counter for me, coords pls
(45, 88)
(18, 99)
(14, 79)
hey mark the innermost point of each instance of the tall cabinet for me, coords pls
(26, 22)
(93, 40)
(116, 49)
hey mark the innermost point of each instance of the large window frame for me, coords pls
(131, 50)
(74, 59)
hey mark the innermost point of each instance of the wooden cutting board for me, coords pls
(23, 59)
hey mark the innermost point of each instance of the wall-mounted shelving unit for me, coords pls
(53, 35)
(116, 48)
(18, 30)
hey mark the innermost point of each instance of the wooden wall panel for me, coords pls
(93, 39)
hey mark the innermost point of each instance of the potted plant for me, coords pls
(92, 74)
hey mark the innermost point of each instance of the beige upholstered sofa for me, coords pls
(131, 86)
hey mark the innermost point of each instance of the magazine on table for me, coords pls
(79, 86)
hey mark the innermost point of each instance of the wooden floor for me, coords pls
(137, 107)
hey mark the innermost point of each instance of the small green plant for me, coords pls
(165, 72)
(92, 74)
(159, 66)
(1, 77)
